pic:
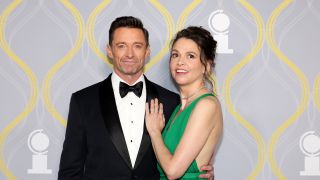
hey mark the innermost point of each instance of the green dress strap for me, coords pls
(173, 132)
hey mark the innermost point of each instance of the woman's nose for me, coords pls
(180, 61)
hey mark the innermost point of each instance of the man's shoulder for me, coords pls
(89, 90)
(163, 91)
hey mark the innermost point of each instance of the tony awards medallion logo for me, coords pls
(219, 23)
(310, 146)
(38, 143)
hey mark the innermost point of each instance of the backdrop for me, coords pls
(267, 73)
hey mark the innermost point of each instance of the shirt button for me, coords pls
(130, 140)
(131, 121)
(131, 104)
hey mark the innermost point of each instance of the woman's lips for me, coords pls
(181, 71)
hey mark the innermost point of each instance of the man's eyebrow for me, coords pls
(139, 43)
(142, 43)
(117, 43)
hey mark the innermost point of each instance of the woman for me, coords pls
(194, 129)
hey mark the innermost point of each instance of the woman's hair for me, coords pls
(206, 44)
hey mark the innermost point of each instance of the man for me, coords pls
(106, 137)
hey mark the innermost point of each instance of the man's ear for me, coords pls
(148, 51)
(109, 51)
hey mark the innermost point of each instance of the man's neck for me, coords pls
(129, 79)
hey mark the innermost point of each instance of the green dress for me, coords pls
(173, 132)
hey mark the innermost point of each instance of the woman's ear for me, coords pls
(209, 67)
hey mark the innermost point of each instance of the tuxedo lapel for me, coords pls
(111, 119)
(145, 142)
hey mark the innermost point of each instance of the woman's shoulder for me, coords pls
(208, 102)
(207, 108)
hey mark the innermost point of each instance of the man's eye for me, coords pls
(121, 46)
(138, 46)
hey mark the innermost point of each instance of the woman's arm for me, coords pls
(205, 117)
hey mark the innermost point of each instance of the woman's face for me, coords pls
(185, 64)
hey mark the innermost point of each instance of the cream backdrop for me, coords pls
(267, 73)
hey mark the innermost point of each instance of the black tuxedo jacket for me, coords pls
(94, 146)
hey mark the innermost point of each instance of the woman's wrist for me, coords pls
(155, 134)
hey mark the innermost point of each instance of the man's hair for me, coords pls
(128, 22)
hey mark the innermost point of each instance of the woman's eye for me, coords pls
(191, 56)
(174, 55)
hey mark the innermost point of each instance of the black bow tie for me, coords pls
(125, 88)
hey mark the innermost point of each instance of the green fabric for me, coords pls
(173, 132)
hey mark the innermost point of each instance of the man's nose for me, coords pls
(130, 52)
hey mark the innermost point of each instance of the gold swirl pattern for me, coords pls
(183, 17)
(77, 45)
(316, 92)
(303, 83)
(90, 34)
(228, 101)
(33, 83)
(170, 26)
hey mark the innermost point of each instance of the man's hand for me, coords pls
(209, 172)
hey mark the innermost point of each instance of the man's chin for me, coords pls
(132, 72)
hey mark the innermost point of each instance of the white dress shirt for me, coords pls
(131, 111)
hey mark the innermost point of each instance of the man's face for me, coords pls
(128, 52)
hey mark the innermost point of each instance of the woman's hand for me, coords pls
(155, 121)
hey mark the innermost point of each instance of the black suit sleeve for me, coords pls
(74, 148)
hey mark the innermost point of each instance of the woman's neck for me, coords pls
(189, 93)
